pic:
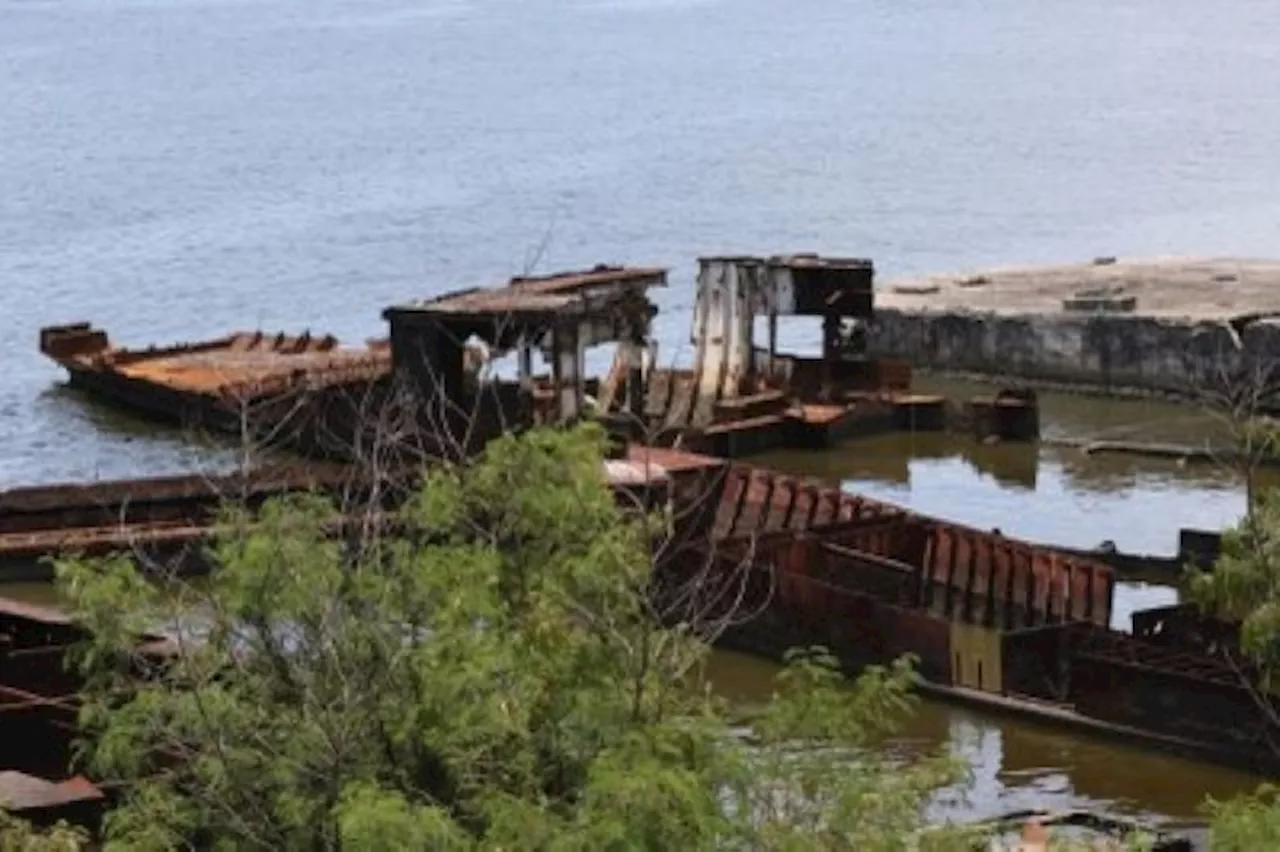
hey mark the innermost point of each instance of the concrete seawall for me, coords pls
(1120, 354)
(1012, 325)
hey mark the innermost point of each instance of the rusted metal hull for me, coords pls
(862, 631)
(165, 519)
(39, 702)
(820, 427)
(37, 712)
(309, 395)
(995, 622)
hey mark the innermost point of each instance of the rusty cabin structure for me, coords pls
(561, 315)
(741, 398)
(734, 291)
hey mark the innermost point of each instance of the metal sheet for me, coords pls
(550, 293)
(1002, 584)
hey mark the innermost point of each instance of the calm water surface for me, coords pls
(172, 169)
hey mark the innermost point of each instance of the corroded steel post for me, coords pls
(567, 370)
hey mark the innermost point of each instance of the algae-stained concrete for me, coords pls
(1192, 325)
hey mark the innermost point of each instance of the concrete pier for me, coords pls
(1172, 326)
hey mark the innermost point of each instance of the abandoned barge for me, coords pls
(277, 389)
(738, 398)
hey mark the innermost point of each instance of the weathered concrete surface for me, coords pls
(1186, 288)
(1192, 332)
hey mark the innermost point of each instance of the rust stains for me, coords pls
(958, 572)
(243, 365)
(758, 500)
(1013, 583)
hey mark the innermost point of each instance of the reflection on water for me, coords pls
(1019, 765)
(1046, 493)
(1067, 415)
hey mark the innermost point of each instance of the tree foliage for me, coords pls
(1244, 585)
(480, 671)
(1247, 823)
(17, 835)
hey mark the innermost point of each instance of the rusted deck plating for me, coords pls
(537, 296)
(239, 366)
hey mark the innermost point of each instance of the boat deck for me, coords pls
(217, 371)
(240, 364)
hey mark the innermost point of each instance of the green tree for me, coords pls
(1244, 585)
(1244, 588)
(482, 670)
(17, 835)
(1247, 823)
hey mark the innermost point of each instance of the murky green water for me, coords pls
(1045, 493)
